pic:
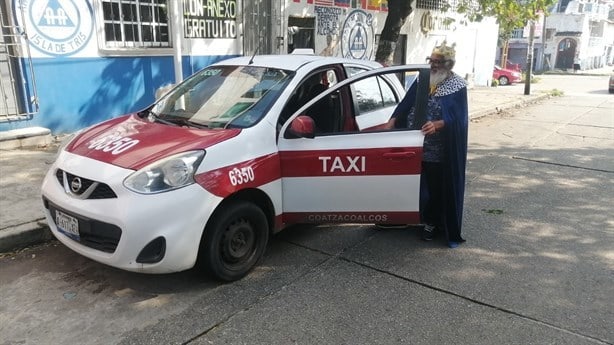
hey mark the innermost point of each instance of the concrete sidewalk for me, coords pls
(25, 157)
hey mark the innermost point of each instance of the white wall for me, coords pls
(476, 42)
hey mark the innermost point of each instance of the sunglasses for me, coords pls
(435, 61)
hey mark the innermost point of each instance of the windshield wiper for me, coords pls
(176, 121)
(156, 118)
(180, 121)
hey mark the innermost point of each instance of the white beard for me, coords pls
(438, 77)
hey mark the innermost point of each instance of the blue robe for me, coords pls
(452, 95)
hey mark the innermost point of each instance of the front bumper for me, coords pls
(114, 230)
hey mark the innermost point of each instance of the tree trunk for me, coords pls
(504, 52)
(398, 11)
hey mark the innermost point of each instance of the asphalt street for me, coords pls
(537, 268)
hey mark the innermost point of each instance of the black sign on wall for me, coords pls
(210, 18)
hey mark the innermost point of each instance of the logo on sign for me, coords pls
(57, 27)
(358, 35)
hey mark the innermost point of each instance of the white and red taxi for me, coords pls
(235, 153)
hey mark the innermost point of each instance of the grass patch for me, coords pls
(493, 211)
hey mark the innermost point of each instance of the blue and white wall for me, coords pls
(79, 82)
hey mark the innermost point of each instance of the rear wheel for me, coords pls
(503, 81)
(234, 240)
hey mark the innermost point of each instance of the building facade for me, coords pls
(67, 64)
(579, 32)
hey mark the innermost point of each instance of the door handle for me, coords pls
(400, 155)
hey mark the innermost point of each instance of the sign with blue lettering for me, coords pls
(56, 27)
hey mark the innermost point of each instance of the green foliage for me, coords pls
(510, 14)
(556, 92)
(494, 83)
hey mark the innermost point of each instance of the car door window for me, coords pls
(310, 87)
(367, 101)
(374, 101)
(353, 70)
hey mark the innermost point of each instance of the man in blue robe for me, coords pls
(442, 188)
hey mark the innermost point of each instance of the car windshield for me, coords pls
(223, 97)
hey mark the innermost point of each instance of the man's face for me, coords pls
(439, 70)
(438, 63)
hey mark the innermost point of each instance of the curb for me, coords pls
(24, 235)
(518, 104)
(25, 137)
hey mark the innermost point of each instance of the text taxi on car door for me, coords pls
(233, 154)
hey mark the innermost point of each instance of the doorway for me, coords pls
(566, 50)
(301, 31)
(257, 27)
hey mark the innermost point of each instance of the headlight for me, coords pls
(167, 174)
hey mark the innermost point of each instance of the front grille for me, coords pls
(88, 189)
(92, 233)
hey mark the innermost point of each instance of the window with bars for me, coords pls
(443, 5)
(434, 4)
(135, 23)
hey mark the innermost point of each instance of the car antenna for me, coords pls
(251, 61)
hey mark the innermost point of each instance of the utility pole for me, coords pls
(529, 72)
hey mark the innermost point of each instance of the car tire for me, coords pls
(503, 81)
(234, 241)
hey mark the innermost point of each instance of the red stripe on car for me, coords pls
(351, 162)
(248, 174)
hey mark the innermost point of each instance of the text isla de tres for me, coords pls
(59, 47)
(343, 164)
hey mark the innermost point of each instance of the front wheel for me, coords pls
(234, 241)
(503, 81)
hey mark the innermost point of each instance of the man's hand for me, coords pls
(431, 127)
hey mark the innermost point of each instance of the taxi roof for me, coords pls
(292, 62)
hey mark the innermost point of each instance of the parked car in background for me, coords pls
(506, 76)
(611, 84)
(513, 66)
(510, 65)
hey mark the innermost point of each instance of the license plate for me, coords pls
(67, 224)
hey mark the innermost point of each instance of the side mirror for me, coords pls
(302, 126)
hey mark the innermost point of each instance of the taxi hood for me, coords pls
(132, 142)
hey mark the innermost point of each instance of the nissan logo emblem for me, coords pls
(75, 185)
